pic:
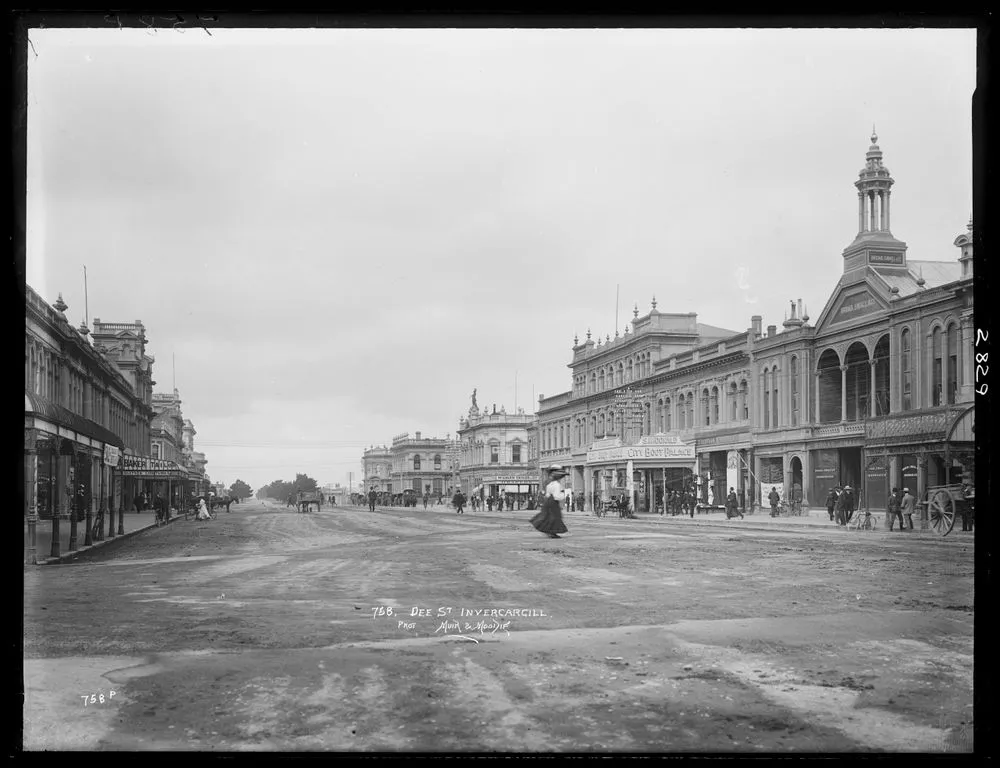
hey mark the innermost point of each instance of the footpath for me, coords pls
(133, 523)
(759, 520)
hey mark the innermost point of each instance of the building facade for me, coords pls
(495, 453)
(377, 470)
(82, 416)
(421, 464)
(877, 394)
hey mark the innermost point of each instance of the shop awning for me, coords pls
(41, 408)
(963, 428)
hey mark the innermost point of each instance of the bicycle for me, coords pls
(863, 522)
(97, 529)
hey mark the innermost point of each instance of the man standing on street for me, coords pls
(895, 509)
(848, 495)
(907, 507)
(372, 496)
(774, 498)
(831, 502)
(459, 501)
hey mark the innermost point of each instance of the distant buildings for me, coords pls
(413, 464)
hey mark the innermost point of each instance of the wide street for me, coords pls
(265, 629)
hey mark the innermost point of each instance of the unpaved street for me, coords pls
(270, 630)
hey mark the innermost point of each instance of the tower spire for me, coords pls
(874, 183)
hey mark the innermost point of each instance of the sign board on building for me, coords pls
(112, 454)
(624, 453)
(147, 467)
(510, 479)
(885, 257)
(854, 305)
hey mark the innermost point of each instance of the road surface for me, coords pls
(269, 630)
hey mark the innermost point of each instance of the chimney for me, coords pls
(755, 322)
(771, 330)
(416, 435)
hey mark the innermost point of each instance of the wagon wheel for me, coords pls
(942, 512)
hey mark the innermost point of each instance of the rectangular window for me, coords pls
(494, 454)
(936, 386)
(952, 379)
(515, 454)
(767, 409)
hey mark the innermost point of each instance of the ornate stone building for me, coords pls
(377, 464)
(82, 414)
(875, 395)
(495, 452)
(419, 464)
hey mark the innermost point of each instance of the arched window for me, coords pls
(416, 461)
(906, 368)
(620, 375)
(666, 415)
(951, 387)
(437, 461)
(601, 380)
(659, 408)
(715, 405)
(793, 372)
(936, 367)
(690, 405)
(561, 443)
(600, 425)
(593, 383)
(733, 404)
(631, 370)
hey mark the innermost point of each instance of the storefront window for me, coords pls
(494, 454)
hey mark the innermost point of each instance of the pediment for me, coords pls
(850, 305)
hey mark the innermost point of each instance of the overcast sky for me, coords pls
(340, 233)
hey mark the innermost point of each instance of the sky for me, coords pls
(333, 236)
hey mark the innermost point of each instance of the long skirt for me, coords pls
(549, 519)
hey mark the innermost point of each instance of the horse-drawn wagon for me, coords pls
(306, 500)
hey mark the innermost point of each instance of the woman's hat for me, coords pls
(556, 469)
(848, 488)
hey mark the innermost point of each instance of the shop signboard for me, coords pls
(908, 473)
(510, 479)
(112, 454)
(144, 466)
(676, 452)
(826, 473)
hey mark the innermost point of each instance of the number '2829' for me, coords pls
(981, 358)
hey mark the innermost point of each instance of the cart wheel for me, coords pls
(942, 512)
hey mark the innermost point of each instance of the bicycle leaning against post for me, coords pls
(863, 521)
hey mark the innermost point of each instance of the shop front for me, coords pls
(65, 473)
(150, 478)
(642, 472)
(520, 486)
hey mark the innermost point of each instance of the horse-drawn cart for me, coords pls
(946, 502)
(307, 499)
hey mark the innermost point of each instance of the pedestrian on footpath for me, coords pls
(732, 505)
(895, 508)
(831, 502)
(848, 495)
(372, 498)
(549, 519)
(458, 500)
(907, 505)
(774, 498)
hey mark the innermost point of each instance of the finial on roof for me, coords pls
(608, 339)
(635, 312)
(874, 135)
(920, 276)
(83, 329)
(588, 334)
(60, 305)
(626, 330)
(616, 333)
(654, 301)
(576, 340)
(969, 225)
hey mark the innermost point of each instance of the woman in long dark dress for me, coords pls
(549, 520)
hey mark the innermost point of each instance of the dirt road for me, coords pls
(266, 629)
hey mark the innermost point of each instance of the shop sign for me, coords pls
(112, 454)
(146, 466)
(855, 305)
(510, 479)
(641, 452)
(885, 257)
